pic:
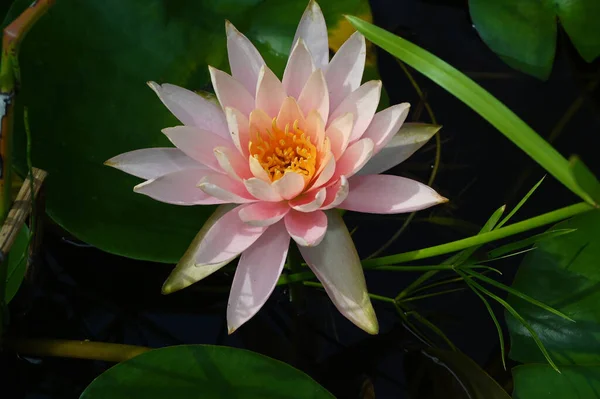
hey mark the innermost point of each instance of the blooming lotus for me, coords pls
(281, 155)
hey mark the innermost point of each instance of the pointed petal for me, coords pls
(178, 188)
(337, 265)
(313, 30)
(289, 113)
(336, 193)
(290, 185)
(230, 92)
(186, 273)
(389, 194)
(346, 68)
(259, 123)
(257, 170)
(269, 92)
(409, 139)
(151, 163)
(385, 125)
(315, 129)
(339, 134)
(310, 201)
(238, 129)
(197, 143)
(315, 95)
(264, 213)
(307, 229)
(299, 67)
(256, 276)
(244, 60)
(225, 188)
(190, 108)
(327, 172)
(262, 190)
(226, 239)
(362, 103)
(354, 158)
(233, 163)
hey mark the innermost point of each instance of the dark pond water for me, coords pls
(83, 293)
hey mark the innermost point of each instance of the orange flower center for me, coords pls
(280, 151)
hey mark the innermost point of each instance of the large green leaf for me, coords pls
(523, 32)
(436, 374)
(17, 264)
(540, 381)
(84, 68)
(563, 273)
(203, 371)
(482, 102)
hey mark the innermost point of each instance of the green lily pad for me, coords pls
(523, 32)
(17, 264)
(203, 371)
(84, 67)
(563, 273)
(535, 381)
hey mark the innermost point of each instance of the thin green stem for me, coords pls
(433, 294)
(520, 227)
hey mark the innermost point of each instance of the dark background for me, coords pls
(78, 292)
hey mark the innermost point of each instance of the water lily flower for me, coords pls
(282, 155)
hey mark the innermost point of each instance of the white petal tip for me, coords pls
(231, 330)
(443, 200)
(370, 325)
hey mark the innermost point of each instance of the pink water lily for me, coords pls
(282, 154)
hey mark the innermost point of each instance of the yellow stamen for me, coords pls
(280, 151)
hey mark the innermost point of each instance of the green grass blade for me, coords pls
(455, 246)
(585, 178)
(520, 204)
(473, 95)
(487, 227)
(494, 319)
(517, 293)
(433, 328)
(517, 316)
(518, 245)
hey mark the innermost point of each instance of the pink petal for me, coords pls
(245, 61)
(151, 163)
(315, 96)
(362, 103)
(409, 139)
(260, 122)
(230, 92)
(186, 273)
(336, 193)
(227, 238)
(354, 158)
(197, 143)
(262, 190)
(256, 276)
(225, 188)
(178, 188)
(299, 67)
(339, 134)
(389, 194)
(307, 229)
(337, 265)
(326, 173)
(310, 201)
(257, 170)
(315, 129)
(238, 129)
(264, 213)
(313, 30)
(385, 125)
(345, 70)
(190, 108)
(233, 163)
(269, 92)
(290, 185)
(289, 113)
